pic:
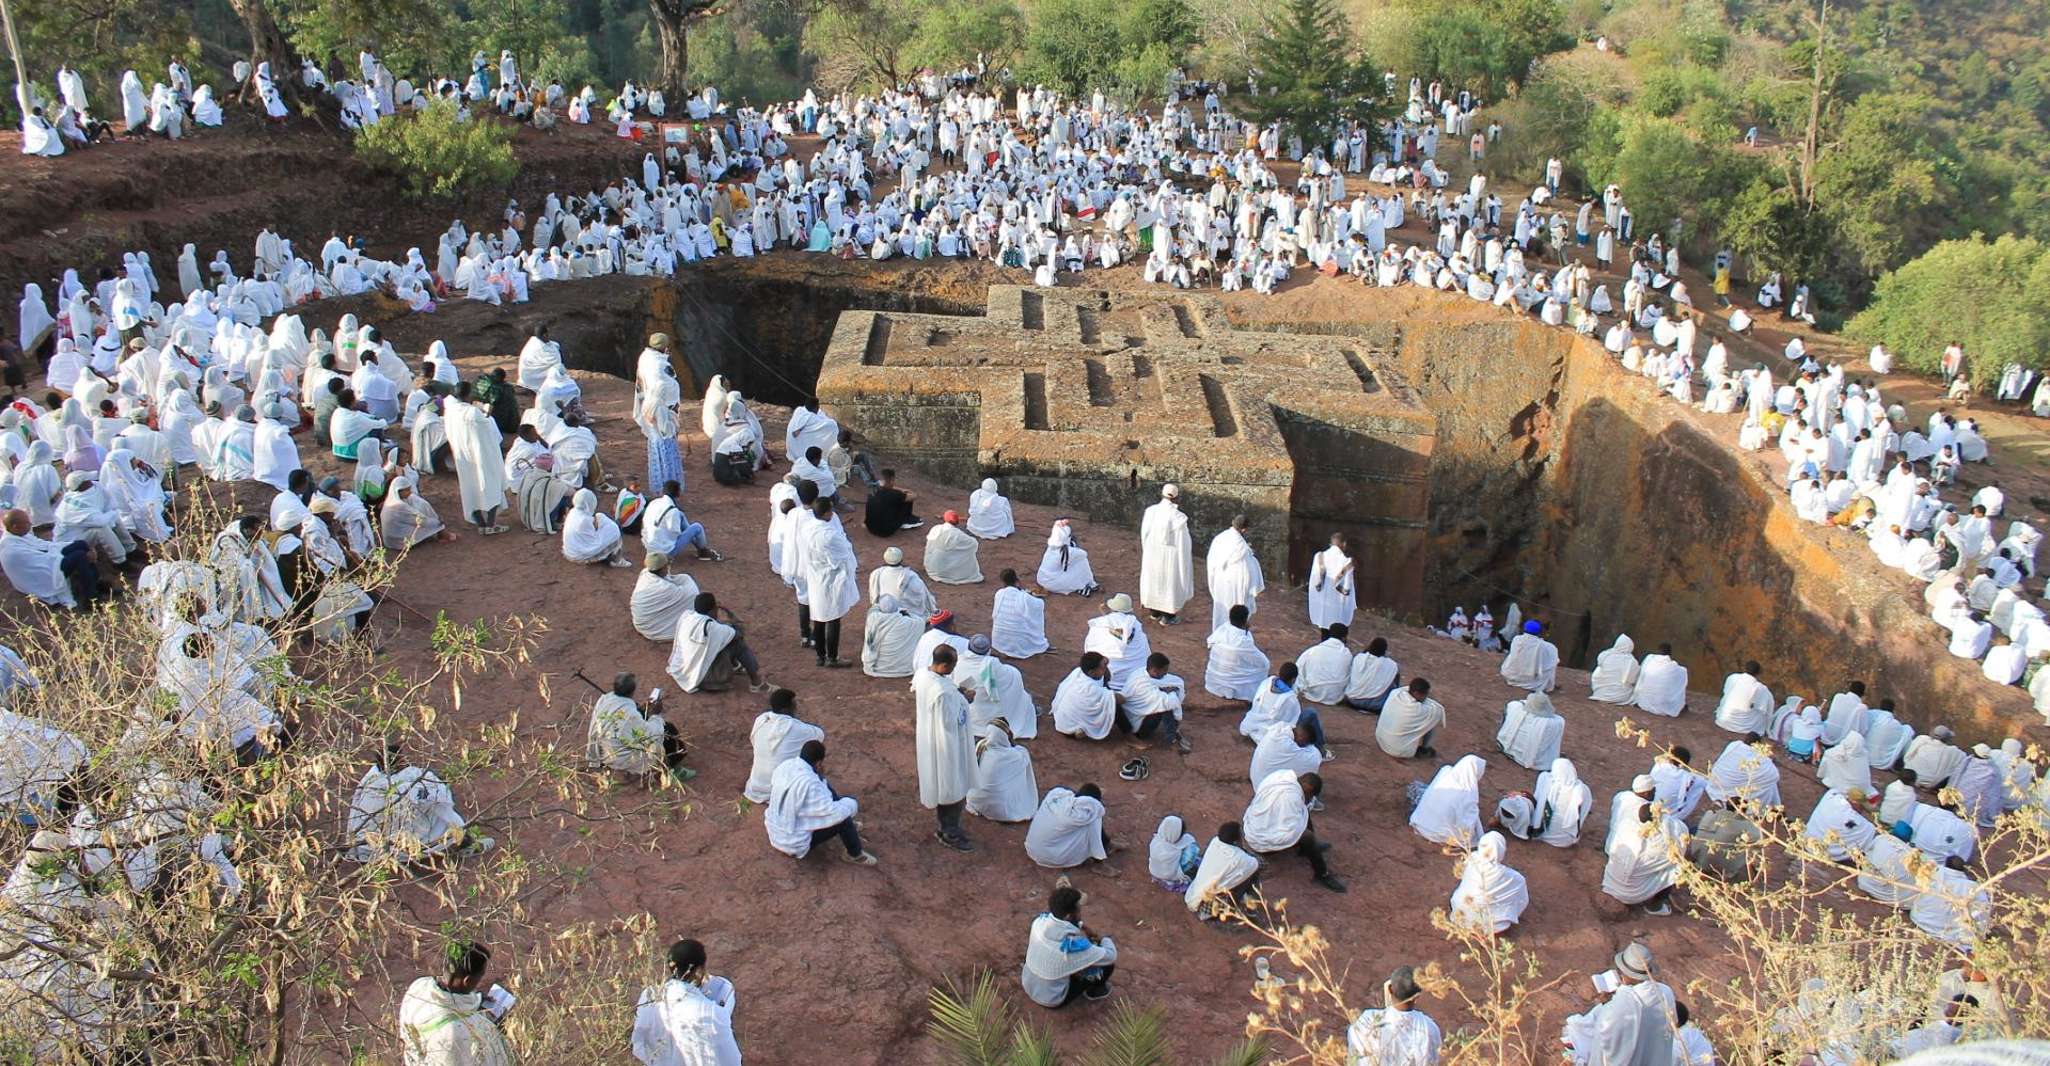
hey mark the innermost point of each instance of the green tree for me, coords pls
(1667, 173)
(954, 32)
(1770, 227)
(1311, 81)
(1888, 180)
(435, 154)
(408, 35)
(1078, 46)
(1986, 296)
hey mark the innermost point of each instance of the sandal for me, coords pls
(1135, 770)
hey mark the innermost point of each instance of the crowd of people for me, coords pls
(148, 384)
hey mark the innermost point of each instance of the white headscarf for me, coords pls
(1449, 811)
(1164, 852)
(1490, 894)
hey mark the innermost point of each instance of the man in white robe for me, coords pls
(687, 1020)
(1120, 638)
(1745, 771)
(1017, 620)
(1152, 702)
(660, 598)
(1278, 820)
(989, 512)
(706, 648)
(1084, 705)
(1285, 747)
(538, 357)
(1533, 662)
(832, 580)
(478, 451)
(810, 429)
(1614, 678)
(1934, 759)
(1396, 1033)
(804, 811)
(1333, 586)
(1408, 720)
(1746, 706)
(1531, 731)
(453, 1021)
(950, 553)
(1325, 668)
(893, 578)
(1634, 1027)
(945, 747)
(406, 815)
(1067, 830)
(1236, 665)
(889, 637)
(1063, 959)
(633, 739)
(776, 737)
(1233, 572)
(1661, 684)
(1373, 676)
(1167, 571)
(1642, 867)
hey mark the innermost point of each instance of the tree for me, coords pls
(1769, 226)
(1984, 295)
(437, 155)
(975, 1026)
(267, 44)
(1887, 180)
(1311, 80)
(672, 22)
(1078, 46)
(864, 43)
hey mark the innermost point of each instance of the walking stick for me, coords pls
(595, 687)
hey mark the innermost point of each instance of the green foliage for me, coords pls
(974, 1025)
(408, 35)
(1309, 79)
(1487, 47)
(1986, 296)
(1768, 225)
(879, 43)
(436, 155)
(1668, 173)
(1889, 182)
(1126, 47)
(100, 39)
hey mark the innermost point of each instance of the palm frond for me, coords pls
(1131, 1037)
(1031, 1047)
(971, 1024)
(1247, 1053)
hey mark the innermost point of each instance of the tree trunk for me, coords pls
(672, 23)
(266, 45)
(21, 93)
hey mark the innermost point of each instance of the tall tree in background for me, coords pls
(672, 30)
(1311, 78)
(267, 44)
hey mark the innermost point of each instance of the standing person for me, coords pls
(946, 747)
(1234, 573)
(453, 1020)
(1333, 585)
(1167, 570)
(832, 578)
(658, 421)
(1953, 361)
(687, 1020)
(478, 450)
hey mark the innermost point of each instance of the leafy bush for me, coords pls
(1987, 297)
(436, 154)
(1130, 47)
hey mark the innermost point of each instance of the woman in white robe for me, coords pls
(1017, 626)
(713, 415)
(1235, 666)
(1845, 766)
(1333, 587)
(1449, 809)
(1563, 802)
(587, 536)
(1064, 567)
(1005, 789)
(135, 491)
(1173, 855)
(1614, 678)
(1233, 575)
(407, 518)
(1490, 896)
(989, 513)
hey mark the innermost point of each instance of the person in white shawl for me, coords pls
(1236, 665)
(1561, 802)
(632, 739)
(1226, 875)
(478, 451)
(703, 643)
(808, 429)
(1275, 701)
(1745, 771)
(1063, 959)
(1533, 662)
(1408, 719)
(1448, 811)
(889, 637)
(660, 598)
(776, 737)
(135, 491)
(1325, 668)
(453, 1021)
(539, 356)
(804, 811)
(1661, 683)
(1952, 907)
(1285, 747)
(1614, 678)
(1531, 731)
(950, 553)
(1167, 572)
(687, 1020)
(1067, 829)
(1846, 766)
(893, 578)
(1064, 567)
(1084, 705)
(1173, 855)
(1017, 620)
(590, 537)
(1634, 1026)
(1842, 823)
(1491, 897)
(1278, 820)
(832, 580)
(989, 513)
(1119, 636)
(36, 762)
(1233, 573)
(407, 518)
(1644, 859)
(1846, 715)
(1005, 788)
(1746, 706)
(1333, 585)
(407, 815)
(998, 690)
(1396, 1034)
(945, 747)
